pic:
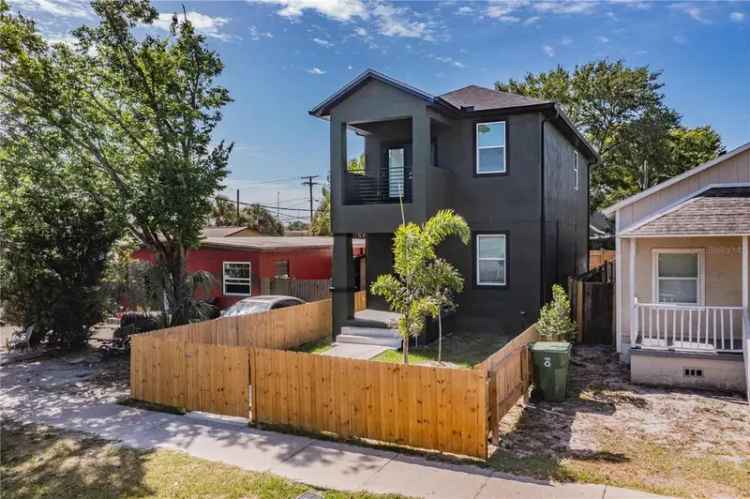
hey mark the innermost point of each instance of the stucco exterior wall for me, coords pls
(720, 372)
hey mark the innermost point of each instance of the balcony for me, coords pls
(387, 185)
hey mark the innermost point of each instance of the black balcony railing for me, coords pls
(387, 186)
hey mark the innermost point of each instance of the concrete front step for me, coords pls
(369, 340)
(389, 319)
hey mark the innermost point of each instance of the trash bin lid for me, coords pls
(551, 346)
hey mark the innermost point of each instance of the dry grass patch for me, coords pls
(676, 442)
(37, 462)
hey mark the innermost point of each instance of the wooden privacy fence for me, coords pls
(600, 257)
(235, 367)
(428, 407)
(283, 328)
(306, 289)
(510, 372)
(592, 304)
(196, 377)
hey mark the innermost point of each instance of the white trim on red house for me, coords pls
(249, 279)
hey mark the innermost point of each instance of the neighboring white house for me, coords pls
(683, 271)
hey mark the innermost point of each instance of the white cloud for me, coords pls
(58, 8)
(323, 43)
(395, 22)
(502, 10)
(448, 60)
(204, 24)
(340, 10)
(532, 20)
(316, 71)
(602, 39)
(256, 34)
(634, 4)
(65, 38)
(465, 11)
(695, 12)
(679, 40)
(565, 7)
(349, 67)
(549, 50)
(360, 31)
(737, 17)
(566, 40)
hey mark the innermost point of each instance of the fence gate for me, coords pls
(592, 304)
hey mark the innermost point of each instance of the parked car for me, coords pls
(259, 304)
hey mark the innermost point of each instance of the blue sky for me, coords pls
(283, 57)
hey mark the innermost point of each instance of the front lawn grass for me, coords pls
(459, 350)
(36, 461)
(317, 346)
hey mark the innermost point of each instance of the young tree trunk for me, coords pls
(440, 337)
(406, 351)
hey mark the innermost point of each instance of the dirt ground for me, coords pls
(677, 442)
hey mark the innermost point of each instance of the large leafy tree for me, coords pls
(421, 282)
(622, 112)
(55, 242)
(137, 113)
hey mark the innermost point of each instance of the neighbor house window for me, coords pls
(490, 152)
(678, 276)
(491, 259)
(576, 178)
(236, 278)
(281, 268)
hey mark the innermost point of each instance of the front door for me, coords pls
(396, 160)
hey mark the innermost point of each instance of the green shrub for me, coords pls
(554, 319)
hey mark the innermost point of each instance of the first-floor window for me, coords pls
(491, 259)
(236, 278)
(678, 276)
(281, 268)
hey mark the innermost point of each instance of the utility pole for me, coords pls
(278, 217)
(309, 182)
(238, 207)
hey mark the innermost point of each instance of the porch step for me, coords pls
(369, 336)
(384, 317)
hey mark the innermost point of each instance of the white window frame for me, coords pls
(504, 168)
(236, 280)
(577, 184)
(479, 237)
(701, 278)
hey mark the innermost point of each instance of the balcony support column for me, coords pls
(342, 291)
(421, 145)
(338, 165)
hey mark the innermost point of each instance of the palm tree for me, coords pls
(419, 275)
(321, 223)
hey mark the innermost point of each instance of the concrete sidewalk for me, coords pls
(314, 462)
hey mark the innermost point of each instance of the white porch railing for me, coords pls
(687, 327)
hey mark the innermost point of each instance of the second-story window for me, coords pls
(576, 172)
(490, 153)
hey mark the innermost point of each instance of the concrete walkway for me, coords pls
(355, 350)
(314, 462)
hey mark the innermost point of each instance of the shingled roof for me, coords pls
(482, 99)
(717, 211)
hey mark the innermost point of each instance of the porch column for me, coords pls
(342, 291)
(746, 311)
(632, 245)
(338, 160)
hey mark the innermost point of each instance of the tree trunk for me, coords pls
(179, 296)
(406, 351)
(440, 337)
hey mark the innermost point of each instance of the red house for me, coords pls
(239, 262)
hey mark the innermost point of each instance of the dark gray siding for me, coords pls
(565, 209)
(510, 204)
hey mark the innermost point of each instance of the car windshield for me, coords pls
(247, 307)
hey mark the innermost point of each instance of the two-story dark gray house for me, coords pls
(514, 167)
